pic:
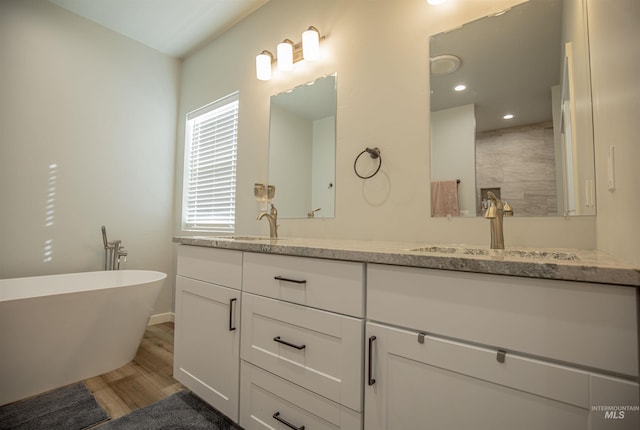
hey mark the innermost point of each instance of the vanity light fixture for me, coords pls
(311, 44)
(289, 53)
(263, 65)
(285, 55)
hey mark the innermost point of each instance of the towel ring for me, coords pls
(374, 153)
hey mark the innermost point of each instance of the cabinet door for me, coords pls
(425, 382)
(207, 342)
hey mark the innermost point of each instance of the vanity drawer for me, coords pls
(336, 286)
(217, 266)
(588, 324)
(263, 395)
(320, 351)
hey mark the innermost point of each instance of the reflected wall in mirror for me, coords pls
(531, 62)
(302, 147)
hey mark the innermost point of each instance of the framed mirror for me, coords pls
(511, 112)
(302, 148)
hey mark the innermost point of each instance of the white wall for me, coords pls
(379, 49)
(615, 71)
(87, 137)
(453, 145)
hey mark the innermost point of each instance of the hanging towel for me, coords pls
(444, 198)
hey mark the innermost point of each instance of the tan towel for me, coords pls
(444, 198)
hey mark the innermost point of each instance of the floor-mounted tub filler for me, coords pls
(59, 329)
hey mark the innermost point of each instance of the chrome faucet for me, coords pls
(494, 213)
(272, 216)
(113, 252)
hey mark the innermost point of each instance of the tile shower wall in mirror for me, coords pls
(302, 141)
(530, 62)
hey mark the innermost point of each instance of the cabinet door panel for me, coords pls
(207, 338)
(416, 388)
(318, 350)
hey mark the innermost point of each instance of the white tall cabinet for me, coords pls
(207, 326)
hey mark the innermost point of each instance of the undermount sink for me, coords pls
(520, 253)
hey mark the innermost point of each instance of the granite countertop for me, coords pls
(564, 264)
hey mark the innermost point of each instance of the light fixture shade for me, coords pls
(285, 55)
(263, 65)
(311, 44)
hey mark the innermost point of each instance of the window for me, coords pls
(209, 194)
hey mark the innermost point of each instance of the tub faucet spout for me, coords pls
(272, 216)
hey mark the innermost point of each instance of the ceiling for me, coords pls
(509, 62)
(174, 27)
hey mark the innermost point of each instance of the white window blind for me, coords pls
(209, 197)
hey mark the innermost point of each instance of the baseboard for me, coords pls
(161, 318)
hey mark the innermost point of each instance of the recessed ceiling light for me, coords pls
(460, 87)
(508, 116)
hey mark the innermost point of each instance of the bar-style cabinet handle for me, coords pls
(284, 342)
(285, 422)
(371, 378)
(295, 281)
(231, 302)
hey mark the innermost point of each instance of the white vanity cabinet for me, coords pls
(301, 344)
(207, 325)
(496, 352)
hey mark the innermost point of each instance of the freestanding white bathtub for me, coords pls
(60, 329)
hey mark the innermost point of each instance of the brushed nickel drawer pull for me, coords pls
(284, 342)
(285, 422)
(295, 281)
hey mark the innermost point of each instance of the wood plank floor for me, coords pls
(146, 379)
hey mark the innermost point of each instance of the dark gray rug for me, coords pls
(68, 408)
(182, 410)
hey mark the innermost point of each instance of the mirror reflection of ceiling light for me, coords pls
(460, 87)
(508, 116)
(444, 64)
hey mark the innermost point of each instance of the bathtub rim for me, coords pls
(32, 287)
